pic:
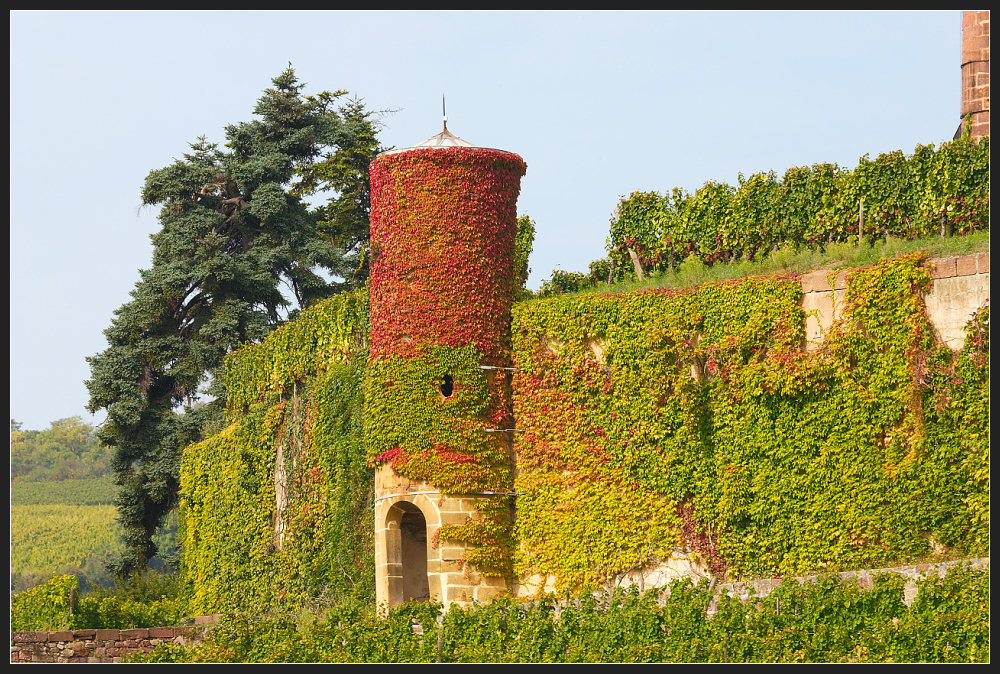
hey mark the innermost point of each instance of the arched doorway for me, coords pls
(406, 529)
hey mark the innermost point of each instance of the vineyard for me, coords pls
(66, 526)
(54, 538)
(98, 491)
(63, 518)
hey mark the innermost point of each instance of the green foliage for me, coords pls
(51, 539)
(276, 508)
(325, 335)
(562, 282)
(522, 251)
(941, 192)
(828, 620)
(435, 426)
(700, 403)
(66, 450)
(601, 271)
(344, 219)
(233, 235)
(148, 600)
(949, 621)
(652, 419)
(45, 607)
(114, 613)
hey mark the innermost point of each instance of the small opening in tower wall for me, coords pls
(447, 386)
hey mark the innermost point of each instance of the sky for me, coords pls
(599, 105)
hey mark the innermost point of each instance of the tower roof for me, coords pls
(439, 141)
(445, 139)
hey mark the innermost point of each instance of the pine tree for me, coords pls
(234, 232)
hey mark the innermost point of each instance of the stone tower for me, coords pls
(976, 72)
(437, 397)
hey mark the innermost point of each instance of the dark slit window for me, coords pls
(447, 386)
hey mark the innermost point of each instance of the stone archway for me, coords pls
(406, 552)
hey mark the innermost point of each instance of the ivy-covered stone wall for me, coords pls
(654, 423)
(670, 419)
(276, 508)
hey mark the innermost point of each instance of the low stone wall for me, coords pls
(101, 645)
(865, 578)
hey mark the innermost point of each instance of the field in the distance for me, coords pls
(85, 492)
(57, 538)
(68, 526)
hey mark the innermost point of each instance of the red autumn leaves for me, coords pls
(443, 225)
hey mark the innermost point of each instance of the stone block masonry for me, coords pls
(976, 71)
(101, 645)
(961, 285)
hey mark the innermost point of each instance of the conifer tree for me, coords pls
(234, 233)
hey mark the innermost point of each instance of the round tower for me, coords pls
(975, 73)
(437, 397)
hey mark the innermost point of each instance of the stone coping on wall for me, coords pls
(102, 645)
(939, 267)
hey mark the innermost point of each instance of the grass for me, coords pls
(693, 272)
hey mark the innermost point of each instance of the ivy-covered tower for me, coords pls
(438, 408)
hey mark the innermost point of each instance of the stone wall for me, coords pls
(449, 580)
(760, 588)
(101, 645)
(961, 286)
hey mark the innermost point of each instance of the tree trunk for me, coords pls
(636, 263)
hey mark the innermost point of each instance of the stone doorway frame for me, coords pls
(391, 577)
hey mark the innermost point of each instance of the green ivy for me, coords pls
(696, 415)
(824, 621)
(301, 390)
(651, 420)
(47, 607)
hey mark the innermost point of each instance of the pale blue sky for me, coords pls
(599, 104)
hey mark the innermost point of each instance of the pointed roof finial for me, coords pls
(445, 139)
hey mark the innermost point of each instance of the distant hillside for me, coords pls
(95, 491)
(65, 450)
(63, 518)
